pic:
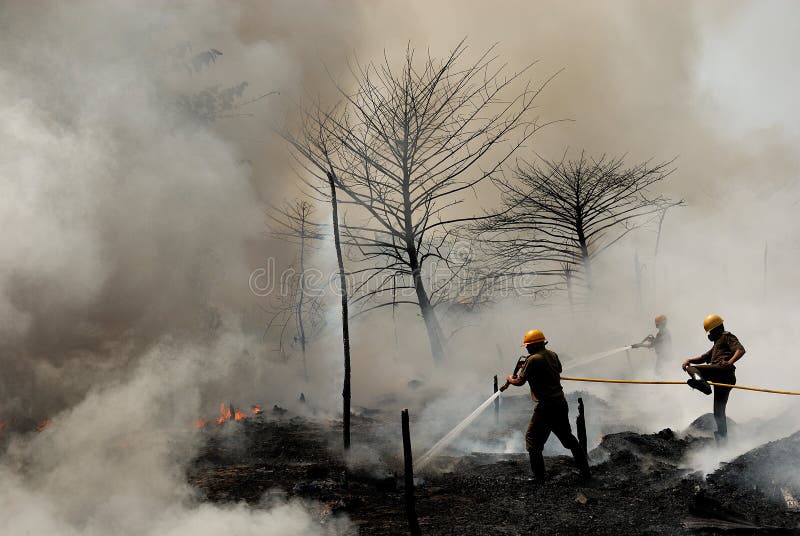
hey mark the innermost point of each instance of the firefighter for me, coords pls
(661, 342)
(542, 371)
(719, 368)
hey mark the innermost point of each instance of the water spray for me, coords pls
(598, 357)
(452, 434)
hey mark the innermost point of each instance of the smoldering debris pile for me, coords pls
(642, 482)
(762, 485)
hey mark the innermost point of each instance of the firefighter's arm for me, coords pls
(693, 360)
(736, 346)
(515, 381)
(737, 355)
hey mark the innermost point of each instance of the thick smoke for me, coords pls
(128, 235)
(130, 229)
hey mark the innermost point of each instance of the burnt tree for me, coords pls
(315, 150)
(297, 312)
(410, 142)
(567, 212)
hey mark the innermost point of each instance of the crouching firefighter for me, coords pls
(541, 369)
(720, 368)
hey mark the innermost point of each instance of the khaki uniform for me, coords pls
(662, 344)
(542, 371)
(715, 371)
(723, 349)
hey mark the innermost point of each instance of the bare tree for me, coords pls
(313, 149)
(297, 313)
(410, 142)
(562, 214)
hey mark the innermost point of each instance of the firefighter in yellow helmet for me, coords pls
(661, 342)
(542, 370)
(719, 367)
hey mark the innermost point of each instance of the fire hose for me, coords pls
(661, 382)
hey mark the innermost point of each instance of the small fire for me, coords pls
(227, 413)
(224, 414)
(44, 424)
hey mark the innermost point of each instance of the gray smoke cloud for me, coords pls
(128, 234)
(129, 230)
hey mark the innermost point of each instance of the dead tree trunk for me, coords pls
(496, 402)
(408, 465)
(429, 317)
(345, 315)
(301, 330)
(580, 424)
(585, 258)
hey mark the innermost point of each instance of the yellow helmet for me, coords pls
(711, 322)
(532, 337)
(661, 319)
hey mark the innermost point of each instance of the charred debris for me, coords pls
(643, 482)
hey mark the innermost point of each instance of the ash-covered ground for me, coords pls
(643, 483)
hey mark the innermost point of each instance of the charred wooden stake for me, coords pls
(496, 403)
(580, 423)
(411, 510)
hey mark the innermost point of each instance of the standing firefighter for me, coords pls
(542, 371)
(661, 342)
(720, 368)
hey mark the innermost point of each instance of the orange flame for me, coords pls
(44, 424)
(224, 414)
(227, 413)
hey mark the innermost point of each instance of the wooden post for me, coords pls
(411, 510)
(496, 403)
(580, 423)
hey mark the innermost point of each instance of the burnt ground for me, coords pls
(640, 483)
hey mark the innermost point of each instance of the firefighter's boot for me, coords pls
(537, 465)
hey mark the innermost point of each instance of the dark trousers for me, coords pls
(721, 394)
(552, 416)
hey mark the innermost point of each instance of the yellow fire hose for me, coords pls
(657, 382)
